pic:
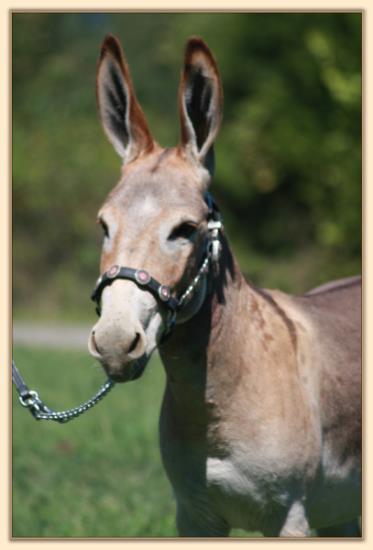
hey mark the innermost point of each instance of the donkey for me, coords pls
(260, 425)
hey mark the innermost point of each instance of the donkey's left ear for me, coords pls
(120, 113)
(200, 102)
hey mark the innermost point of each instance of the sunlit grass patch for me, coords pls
(100, 475)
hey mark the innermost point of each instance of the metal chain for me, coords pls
(190, 289)
(31, 400)
(213, 253)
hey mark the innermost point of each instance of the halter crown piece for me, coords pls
(163, 293)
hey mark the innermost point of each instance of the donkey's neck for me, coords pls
(235, 343)
(189, 353)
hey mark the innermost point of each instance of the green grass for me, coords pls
(100, 475)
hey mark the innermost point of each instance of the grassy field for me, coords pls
(100, 475)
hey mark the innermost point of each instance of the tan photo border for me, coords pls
(7, 7)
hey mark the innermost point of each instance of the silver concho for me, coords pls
(164, 293)
(142, 276)
(113, 271)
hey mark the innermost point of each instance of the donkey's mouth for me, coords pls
(129, 371)
(138, 367)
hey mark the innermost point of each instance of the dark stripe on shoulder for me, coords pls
(288, 322)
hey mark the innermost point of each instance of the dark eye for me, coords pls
(185, 230)
(104, 227)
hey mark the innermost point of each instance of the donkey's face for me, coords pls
(155, 218)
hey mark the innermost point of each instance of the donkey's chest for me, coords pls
(237, 487)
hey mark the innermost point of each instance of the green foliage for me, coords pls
(288, 175)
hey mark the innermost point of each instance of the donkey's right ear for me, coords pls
(120, 113)
(200, 101)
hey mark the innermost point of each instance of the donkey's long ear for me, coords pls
(200, 101)
(121, 115)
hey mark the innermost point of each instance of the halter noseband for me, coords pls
(163, 293)
(141, 278)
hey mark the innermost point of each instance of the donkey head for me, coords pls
(156, 216)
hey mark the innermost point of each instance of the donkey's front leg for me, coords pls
(296, 523)
(191, 521)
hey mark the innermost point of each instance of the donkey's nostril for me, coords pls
(93, 347)
(135, 341)
(117, 345)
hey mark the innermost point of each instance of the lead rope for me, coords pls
(31, 400)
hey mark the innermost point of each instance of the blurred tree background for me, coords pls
(288, 172)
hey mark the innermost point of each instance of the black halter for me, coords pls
(161, 292)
